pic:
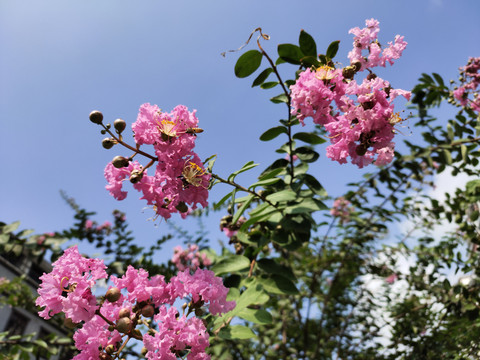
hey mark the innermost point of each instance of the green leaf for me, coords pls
(264, 216)
(270, 174)
(309, 61)
(265, 182)
(439, 79)
(262, 77)
(248, 63)
(284, 195)
(306, 154)
(463, 150)
(242, 208)
(272, 267)
(217, 205)
(307, 44)
(10, 227)
(308, 205)
(278, 284)
(269, 85)
(314, 185)
(249, 165)
(231, 264)
(273, 133)
(282, 98)
(290, 53)
(257, 316)
(447, 157)
(332, 49)
(309, 138)
(236, 332)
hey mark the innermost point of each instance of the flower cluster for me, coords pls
(180, 181)
(470, 77)
(341, 209)
(359, 117)
(189, 258)
(133, 300)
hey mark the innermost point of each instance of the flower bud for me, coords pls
(69, 323)
(119, 125)
(182, 207)
(96, 117)
(136, 176)
(357, 65)
(104, 356)
(124, 325)
(124, 312)
(111, 328)
(113, 294)
(148, 311)
(348, 72)
(108, 143)
(110, 349)
(120, 162)
(199, 312)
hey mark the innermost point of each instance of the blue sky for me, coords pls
(61, 59)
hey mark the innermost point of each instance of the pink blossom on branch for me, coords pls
(180, 181)
(359, 118)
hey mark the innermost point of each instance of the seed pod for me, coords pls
(371, 76)
(96, 117)
(113, 294)
(120, 162)
(108, 143)
(119, 125)
(124, 312)
(124, 325)
(136, 176)
(148, 311)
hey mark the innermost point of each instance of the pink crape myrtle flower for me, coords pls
(341, 209)
(142, 288)
(88, 224)
(391, 279)
(74, 276)
(204, 286)
(366, 39)
(180, 182)
(467, 93)
(189, 258)
(175, 334)
(359, 118)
